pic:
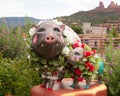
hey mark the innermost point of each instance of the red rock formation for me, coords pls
(112, 5)
(101, 5)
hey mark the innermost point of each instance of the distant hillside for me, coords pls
(95, 16)
(15, 21)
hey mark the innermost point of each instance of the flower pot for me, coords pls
(64, 89)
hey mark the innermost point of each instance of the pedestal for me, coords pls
(64, 89)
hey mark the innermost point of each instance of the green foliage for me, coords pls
(114, 32)
(17, 73)
(77, 29)
(112, 71)
(17, 76)
(12, 43)
(94, 16)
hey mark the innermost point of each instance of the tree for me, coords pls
(77, 29)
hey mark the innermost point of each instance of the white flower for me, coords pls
(66, 50)
(57, 22)
(39, 22)
(60, 68)
(32, 31)
(28, 57)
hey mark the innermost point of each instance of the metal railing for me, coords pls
(97, 43)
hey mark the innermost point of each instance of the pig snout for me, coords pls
(50, 38)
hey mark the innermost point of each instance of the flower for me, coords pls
(78, 44)
(55, 73)
(32, 31)
(94, 51)
(3, 30)
(58, 22)
(89, 66)
(65, 50)
(78, 71)
(106, 80)
(28, 57)
(87, 54)
(80, 79)
(72, 77)
(110, 71)
(82, 45)
(75, 45)
(24, 36)
(91, 69)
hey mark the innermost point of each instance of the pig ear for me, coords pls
(35, 38)
(62, 27)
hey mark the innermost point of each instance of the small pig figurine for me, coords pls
(84, 64)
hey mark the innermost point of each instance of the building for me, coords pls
(88, 29)
(93, 35)
(110, 24)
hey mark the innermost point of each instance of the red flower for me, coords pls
(91, 69)
(24, 35)
(54, 73)
(94, 51)
(87, 53)
(82, 45)
(75, 45)
(72, 77)
(78, 71)
(87, 65)
(80, 79)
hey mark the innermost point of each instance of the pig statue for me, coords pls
(80, 62)
(49, 41)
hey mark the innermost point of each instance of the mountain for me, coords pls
(15, 21)
(96, 16)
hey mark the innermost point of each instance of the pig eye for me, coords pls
(76, 53)
(56, 29)
(41, 30)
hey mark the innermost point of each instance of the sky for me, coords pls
(47, 9)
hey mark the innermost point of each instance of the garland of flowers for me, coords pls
(42, 65)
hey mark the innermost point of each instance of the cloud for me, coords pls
(47, 8)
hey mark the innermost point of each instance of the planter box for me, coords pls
(64, 89)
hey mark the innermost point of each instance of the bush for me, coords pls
(112, 72)
(17, 76)
(17, 73)
(77, 29)
(13, 41)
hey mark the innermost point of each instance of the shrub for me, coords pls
(12, 41)
(112, 72)
(17, 73)
(17, 76)
(77, 29)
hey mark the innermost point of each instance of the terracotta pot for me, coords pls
(64, 89)
(8, 94)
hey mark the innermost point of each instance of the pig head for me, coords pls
(48, 40)
(75, 55)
